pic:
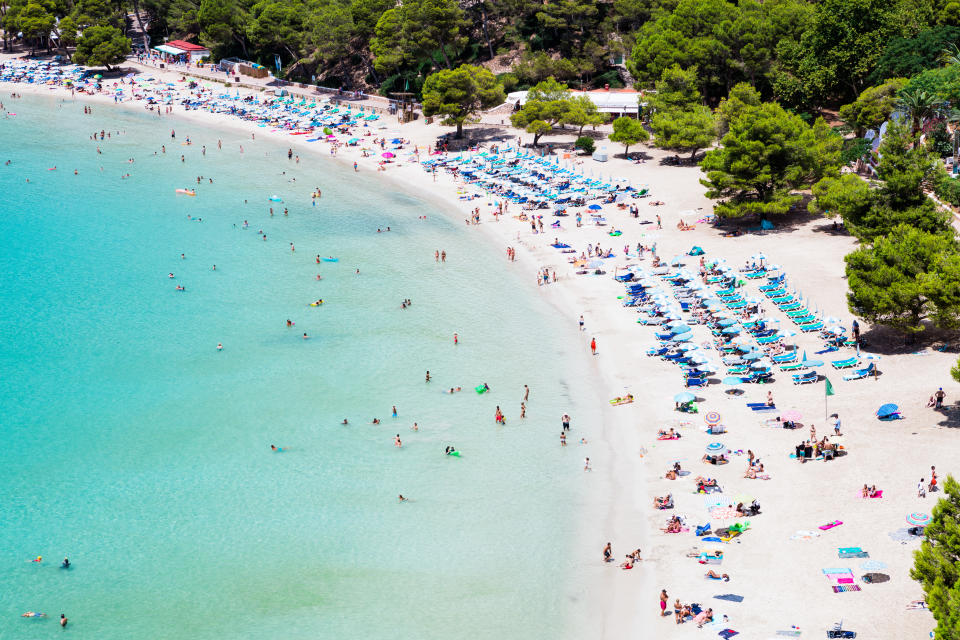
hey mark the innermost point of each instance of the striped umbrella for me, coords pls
(918, 519)
(712, 418)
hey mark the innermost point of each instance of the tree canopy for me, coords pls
(766, 153)
(628, 132)
(460, 94)
(102, 46)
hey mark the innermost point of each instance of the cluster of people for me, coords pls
(631, 558)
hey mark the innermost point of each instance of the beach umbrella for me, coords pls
(831, 320)
(676, 323)
(98, 76)
(812, 364)
(731, 331)
(760, 256)
(681, 328)
(712, 417)
(595, 264)
(759, 366)
(595, 207)
(753, 355)
(791, 416)
(918, 519)
(834, 330)
(683, 337)
(887, 409)
(699, 358)
(733, 381)
(715, 447)
(684, 397)
(745, 498)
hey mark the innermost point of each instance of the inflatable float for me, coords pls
(187, 192)
(275, 199)
(331, 259)
(317, 303)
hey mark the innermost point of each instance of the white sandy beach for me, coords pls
(779, 578)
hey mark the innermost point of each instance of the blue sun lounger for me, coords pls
(805, 378)
(846, 363)
(860, 373)
(813, 326)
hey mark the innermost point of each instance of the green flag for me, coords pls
(829, 387)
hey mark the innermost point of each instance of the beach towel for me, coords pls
(855, 554)
(805, 535)
(732, 597)
(830, 525)
(873, 565)
(875, 578)
(712, 539)
(728, 633)
(843, 588)
(827, 572)
(792, 631)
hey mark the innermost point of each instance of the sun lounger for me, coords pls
(806, 328)
(791, 306)
(846, 363)
(738, 371)
(805, 378)
(782, 300)
(799, 313)
(784, 358)
(860, 373)
(769, 340)
(796, 366)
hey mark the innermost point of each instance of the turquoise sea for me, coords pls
(135, 447)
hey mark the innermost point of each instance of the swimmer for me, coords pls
(394, 411)
(376, 421)
(415, 427)
(38, 559)
(63, 621)
(428, 377)
(219, 346)
(169, 275)
(400, 498)
(274, 447)
(214, 267)
(344, 421)
(289, 322)
(180, 288)
(305, 336)
(65, 564)
(396, 441)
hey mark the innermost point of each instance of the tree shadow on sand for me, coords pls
(887, 341)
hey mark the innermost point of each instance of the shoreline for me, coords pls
(797, 498)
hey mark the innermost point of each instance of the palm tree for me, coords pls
(919, 105)
(950, 55)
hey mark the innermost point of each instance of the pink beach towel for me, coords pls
(831, 525)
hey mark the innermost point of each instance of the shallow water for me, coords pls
(136, 448)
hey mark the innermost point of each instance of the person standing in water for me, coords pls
(526, 393)
(63, 620)
(396, 441)
(428, 376)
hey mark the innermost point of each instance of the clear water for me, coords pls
(133, 446)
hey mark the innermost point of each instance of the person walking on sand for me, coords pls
(939, 395)
(565, 422)
(563, 439)
(581, 322)
(593, 345)
(933, 479)
(921, 489)
(663, 602)
(586, 464)
(608, 553)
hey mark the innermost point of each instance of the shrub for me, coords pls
(585, 144)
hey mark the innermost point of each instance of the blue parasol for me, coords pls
(684, 397)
